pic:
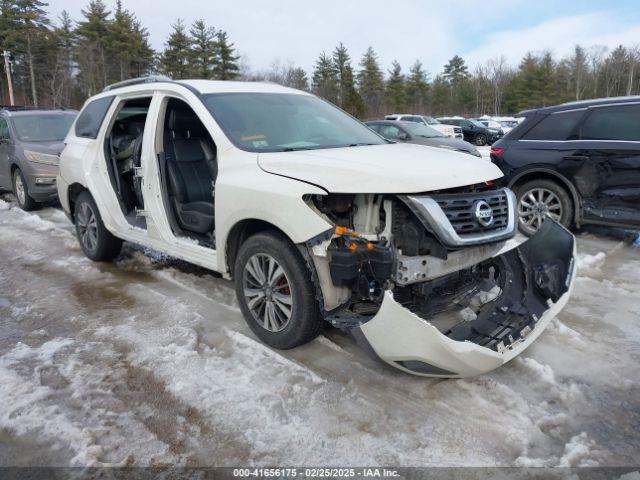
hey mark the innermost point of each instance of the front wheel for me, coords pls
(96, 241)
(539, 199)
(275, 291)
(21, 192)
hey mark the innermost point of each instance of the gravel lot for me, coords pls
(147, 361)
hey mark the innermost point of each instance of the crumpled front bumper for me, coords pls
(410, 343)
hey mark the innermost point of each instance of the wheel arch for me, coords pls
(557, 177)
(242, 230)
(73, 191)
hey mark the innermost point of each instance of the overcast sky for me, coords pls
(406, 30)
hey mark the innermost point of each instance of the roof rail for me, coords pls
(137, 81)
(17, 108)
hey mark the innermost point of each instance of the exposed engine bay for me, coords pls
(450, 257)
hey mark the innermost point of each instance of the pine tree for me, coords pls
(62, 74)
(177, 53)
(203, 49)
(371, 81)
(325, 79)
(417, 87)
(226, 67)
(120, 43)
(455, 71)
(143, 54)
(395, 91)
(348, 97)
(30, 29)
(91, 53)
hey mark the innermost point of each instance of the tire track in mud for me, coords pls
(338, 399)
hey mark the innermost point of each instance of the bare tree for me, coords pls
(499, 74)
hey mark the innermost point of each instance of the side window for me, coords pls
(389, 131)
(556, 126)
(375, 128)
(613, 123)
(414, 119)
(4, 129)
(91, 117)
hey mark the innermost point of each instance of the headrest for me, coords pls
(184, 120)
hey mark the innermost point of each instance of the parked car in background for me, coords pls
(30, 145)
(578, 163)
(448, 130)
(318, 220)
(490, 124)
(420, 134)
(506, 124)
(474, 131)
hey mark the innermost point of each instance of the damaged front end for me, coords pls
(439, 284)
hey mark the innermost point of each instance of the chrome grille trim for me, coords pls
(435, 219)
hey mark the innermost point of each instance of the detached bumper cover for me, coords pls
(538, 288)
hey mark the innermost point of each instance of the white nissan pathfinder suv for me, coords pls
(317, 219)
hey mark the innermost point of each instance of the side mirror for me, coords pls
(403, 136)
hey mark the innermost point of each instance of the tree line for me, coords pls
(63, 61)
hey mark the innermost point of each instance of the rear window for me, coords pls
(91, 117)
(556, 126)
(613, 123)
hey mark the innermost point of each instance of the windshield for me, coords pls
(422, 130)
(477, 123)
(431, 121)
(276, 122)
(43, 128)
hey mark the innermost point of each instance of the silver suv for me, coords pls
(30, 146)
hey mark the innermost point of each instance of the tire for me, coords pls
(557, 200)
(480, 140)
(96, 241)
(21, 192)
(291, 287)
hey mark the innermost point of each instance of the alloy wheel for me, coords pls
(87, 226)
(21, 192)
(535, 205)
(267, 292)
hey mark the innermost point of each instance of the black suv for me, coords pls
(474, 131)
(577, 162)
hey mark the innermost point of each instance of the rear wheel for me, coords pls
(21, 191)
(538, 199)
(96, 241)
(275, 291)
(481, 139)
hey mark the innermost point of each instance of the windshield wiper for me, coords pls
(361, 144)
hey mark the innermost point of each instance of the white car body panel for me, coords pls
(241, 185)
(271, 187)
(398, 335)
(392, 168)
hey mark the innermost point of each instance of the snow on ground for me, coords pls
(147, 361)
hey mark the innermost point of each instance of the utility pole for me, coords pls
(7, 66)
